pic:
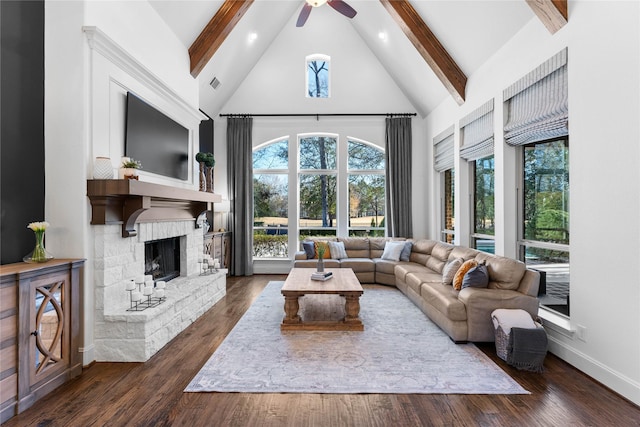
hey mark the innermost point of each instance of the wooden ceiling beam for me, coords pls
(215, 33)
(554, 14)
(429, 47)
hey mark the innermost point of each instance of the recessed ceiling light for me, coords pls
(382, 35)
(253, 37)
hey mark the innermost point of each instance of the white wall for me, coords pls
(603, 39)
(79, 97)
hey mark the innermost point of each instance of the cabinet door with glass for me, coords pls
(50, 326)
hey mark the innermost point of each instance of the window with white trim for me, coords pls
(270, 199)
(324, 165)
(318, 76)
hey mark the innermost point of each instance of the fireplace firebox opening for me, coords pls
(162, 258)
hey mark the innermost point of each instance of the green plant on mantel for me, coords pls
(206, 158)
(132, 164)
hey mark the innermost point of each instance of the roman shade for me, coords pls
(477, 133)
(443, 150)
(537, 105)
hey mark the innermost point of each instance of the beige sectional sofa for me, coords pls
(464, 315)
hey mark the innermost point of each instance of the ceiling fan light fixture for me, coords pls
(316, 3)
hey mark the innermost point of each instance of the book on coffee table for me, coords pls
(321, 275)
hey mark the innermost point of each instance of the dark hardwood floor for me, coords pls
(150, 394)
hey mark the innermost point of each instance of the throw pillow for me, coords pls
(309, 248)
(450, 269)
(477, 277)
(392, 251)
(338, 250)
(406, 251)
(466, 266)
(327, 251)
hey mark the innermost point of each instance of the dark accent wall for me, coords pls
(22, 125)
(206, 136)
(206, 146)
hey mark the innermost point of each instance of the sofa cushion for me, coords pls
(337, 250)
(392, 251)
(504, 273)
(462, 252)
(421, 250)
(439, 256)
(466, 266)
(384, 265)
(402, 269)
(416, 279)
(358, 264)
(309, 248)
(450, 269)
(356, 247)
(376, 246)
(477, 277)
(445, 299)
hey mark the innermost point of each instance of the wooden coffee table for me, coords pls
(344, 283)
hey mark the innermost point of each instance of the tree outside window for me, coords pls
(317, 76)
(448, 206)
(316, 188)
(366, 189)
(484, 204)
(318, 185)
(545, 219)
(270, 200)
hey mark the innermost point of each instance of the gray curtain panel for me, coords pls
(240, 186)
(398, 174)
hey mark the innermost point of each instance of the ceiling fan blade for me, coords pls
(304, 14)
(342, 7)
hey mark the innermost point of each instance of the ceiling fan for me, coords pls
(338, 5)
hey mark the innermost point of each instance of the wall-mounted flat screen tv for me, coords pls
(157, 141)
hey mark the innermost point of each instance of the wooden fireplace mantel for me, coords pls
(128, 201)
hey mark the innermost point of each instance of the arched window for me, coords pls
(339, 191)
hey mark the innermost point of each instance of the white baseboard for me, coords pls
(616, 381)
(88, 354)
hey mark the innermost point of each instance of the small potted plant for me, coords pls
(321, 248)
(207, 162)
(129, 168)
(202, 159)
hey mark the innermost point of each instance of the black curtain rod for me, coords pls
(318, 115)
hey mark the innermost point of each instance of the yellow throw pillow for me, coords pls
(466, 266)
(327, 251)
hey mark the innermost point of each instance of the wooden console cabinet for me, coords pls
(218, 245)
(39, 331)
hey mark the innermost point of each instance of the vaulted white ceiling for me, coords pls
(470, 30)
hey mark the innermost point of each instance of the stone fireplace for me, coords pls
(123, 249)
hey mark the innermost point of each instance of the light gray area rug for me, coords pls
(400, 351)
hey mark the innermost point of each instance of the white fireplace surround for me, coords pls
(125, 336)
